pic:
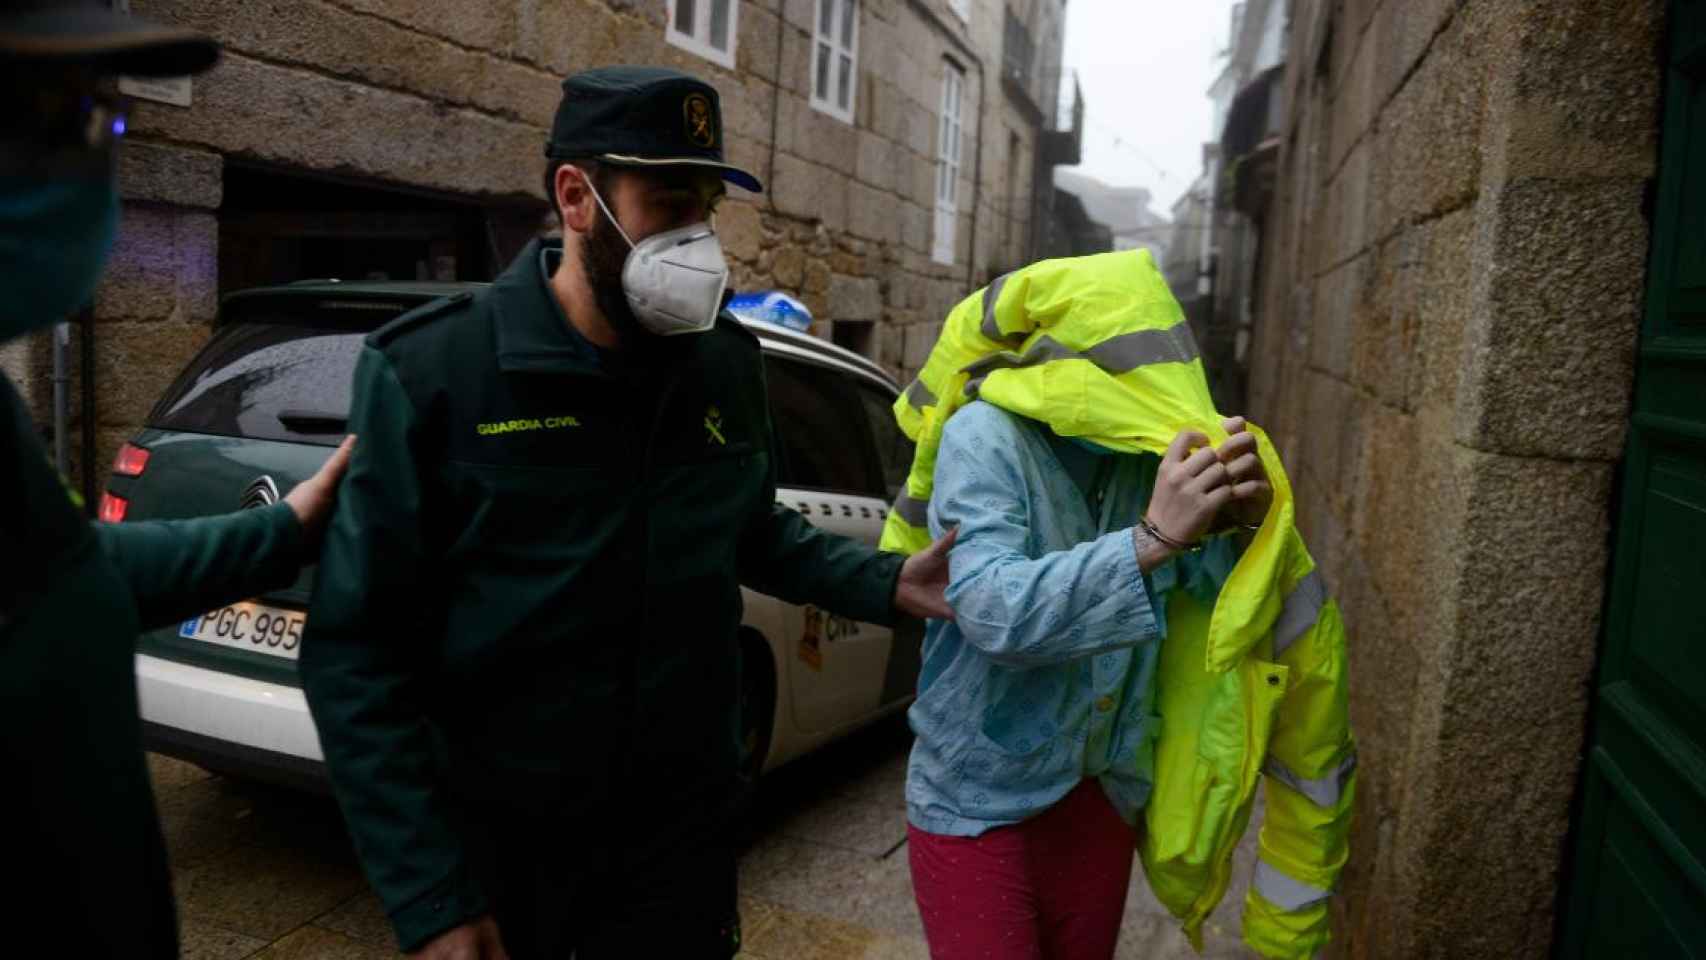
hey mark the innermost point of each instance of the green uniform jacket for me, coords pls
(83, 835)
(528, 598)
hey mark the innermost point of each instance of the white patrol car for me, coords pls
(262, 405)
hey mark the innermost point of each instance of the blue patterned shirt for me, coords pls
(1047, 674)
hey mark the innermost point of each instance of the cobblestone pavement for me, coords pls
(268, 874)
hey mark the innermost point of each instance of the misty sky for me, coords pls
(1145, 66)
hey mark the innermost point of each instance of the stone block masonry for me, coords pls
(1454, 263)
(453, 101)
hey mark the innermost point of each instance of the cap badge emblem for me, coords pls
(700, 131)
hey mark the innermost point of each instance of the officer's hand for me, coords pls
(475, 940)
(313, 498)
(1190, 488)
(923, 586)
(1251, 492)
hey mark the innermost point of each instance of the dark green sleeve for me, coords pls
(363, 671)
(783, 555)
(179, 568)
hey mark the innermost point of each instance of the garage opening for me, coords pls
(282, 226)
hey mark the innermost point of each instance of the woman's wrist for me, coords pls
(1151, 553)
(1174, 543)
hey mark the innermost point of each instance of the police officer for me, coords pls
(82, 838)
(521, 655)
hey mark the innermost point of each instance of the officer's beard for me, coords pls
(603, 254)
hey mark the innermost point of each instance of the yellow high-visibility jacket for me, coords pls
(1096, 347)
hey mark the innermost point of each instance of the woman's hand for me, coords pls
(1251, 492)
(1190, 488)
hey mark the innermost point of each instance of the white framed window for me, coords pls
(705, 27)
(835, 58)
(949, 143)
(961, 8)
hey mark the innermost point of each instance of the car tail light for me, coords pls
(113, 508)
(131, 461)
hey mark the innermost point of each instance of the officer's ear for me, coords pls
(574, 198)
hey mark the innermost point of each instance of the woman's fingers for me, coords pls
(1182, 445)
(1250, 489)
(1213, 476)
(1238, 446)
(1198, 462)
(1247, 467)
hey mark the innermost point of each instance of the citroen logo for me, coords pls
(263, 492)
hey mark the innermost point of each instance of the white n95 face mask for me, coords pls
(673, 280)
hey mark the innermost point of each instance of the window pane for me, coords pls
(847, 23)
(846, 82)
(720, 24)
(894, 451)
(684, 16)
(822, 86)
(263, 366)
(826, 17)
(821, 429)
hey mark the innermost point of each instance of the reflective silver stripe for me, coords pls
(1285, 891)
(914, 511)
(1116, 355)
(1302, 607)
(1045, 349)
(1322, 791)
(1128, 351)
(991, 294)
(920, 396)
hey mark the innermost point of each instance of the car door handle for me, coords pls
(313, 421)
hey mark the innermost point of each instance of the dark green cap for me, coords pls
(642, 117)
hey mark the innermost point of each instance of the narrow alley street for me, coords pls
(268, 873)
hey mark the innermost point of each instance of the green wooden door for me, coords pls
(1637, 887)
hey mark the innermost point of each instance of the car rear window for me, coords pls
(276, 371)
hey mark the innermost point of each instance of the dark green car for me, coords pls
(265, 401)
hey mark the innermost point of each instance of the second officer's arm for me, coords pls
(179, 568)
(363, 669)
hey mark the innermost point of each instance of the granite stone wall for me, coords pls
(1444, 352)
(454, 100)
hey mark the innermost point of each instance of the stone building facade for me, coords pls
(402, 140)
(1453, 258)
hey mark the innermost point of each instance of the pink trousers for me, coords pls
(1050, 888)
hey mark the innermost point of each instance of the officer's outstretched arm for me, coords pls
(179, 568)
(783, 555)
(364, 677)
